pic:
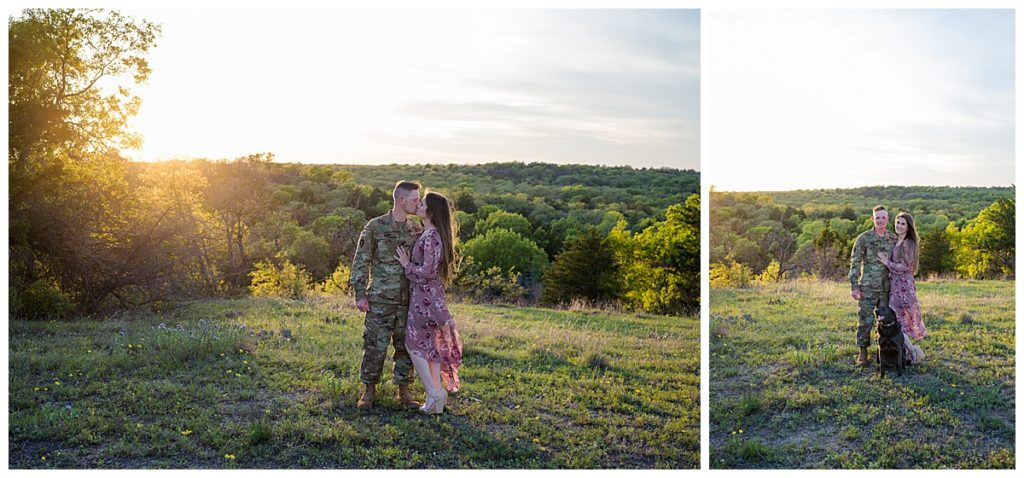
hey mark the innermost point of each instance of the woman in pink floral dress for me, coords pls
(903, 291)
(430, 335)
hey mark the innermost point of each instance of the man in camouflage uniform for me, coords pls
(869, 278)
(382, 291)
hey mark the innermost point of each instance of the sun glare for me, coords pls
(300, 85)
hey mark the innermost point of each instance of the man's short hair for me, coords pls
(879, 208)
(404, 186)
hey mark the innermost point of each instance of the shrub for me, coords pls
(586, 269)
(733, 276)
(287, 281)
(488, 285)
(508, 251)
(770, 274)
(337, 282)
(43, 300)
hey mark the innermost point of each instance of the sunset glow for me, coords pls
(451, 86)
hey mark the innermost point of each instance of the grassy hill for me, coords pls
(786, 394)
(269, 384)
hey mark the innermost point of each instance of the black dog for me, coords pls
(891, 352)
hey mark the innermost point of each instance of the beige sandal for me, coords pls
(918, 354)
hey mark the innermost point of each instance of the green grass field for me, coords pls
(267, 384)
(786, 394)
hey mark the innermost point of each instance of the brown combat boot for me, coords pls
(369, 393)
(862, 359)
(405, 397)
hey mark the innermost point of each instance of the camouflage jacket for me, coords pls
(873, 275)
(376, 274)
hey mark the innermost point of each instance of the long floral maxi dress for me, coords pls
(430, 331)
(903, 291)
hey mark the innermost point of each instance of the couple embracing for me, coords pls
(399, 273)
(882, 267)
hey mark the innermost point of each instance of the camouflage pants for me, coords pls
(868, 304)
(385, 323)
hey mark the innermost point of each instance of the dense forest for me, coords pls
(770, 236)
(91, 231)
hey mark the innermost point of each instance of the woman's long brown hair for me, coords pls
(912, 235)
(439, 210)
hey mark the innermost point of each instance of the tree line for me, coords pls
(92, 231)
(768, 237)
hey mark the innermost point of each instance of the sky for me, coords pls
(808, 99)
(611, 87)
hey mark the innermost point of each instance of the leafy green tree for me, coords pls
(985, 245)
(552, 236)
(173, 191)
(831, 254)
(508, 251)
(464, 200)
(58, 59)
(239, 194)
(69, 201)
(467, 225)
(514, 222)
(662, 264)
(586, 268)
(341, 230)
(936, 253)
(311, 251)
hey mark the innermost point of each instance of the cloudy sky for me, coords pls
(843, 98)
(610, 87)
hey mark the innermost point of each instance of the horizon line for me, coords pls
(972, 186)
(675, 168)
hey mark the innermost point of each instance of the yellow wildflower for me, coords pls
(229, 457)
